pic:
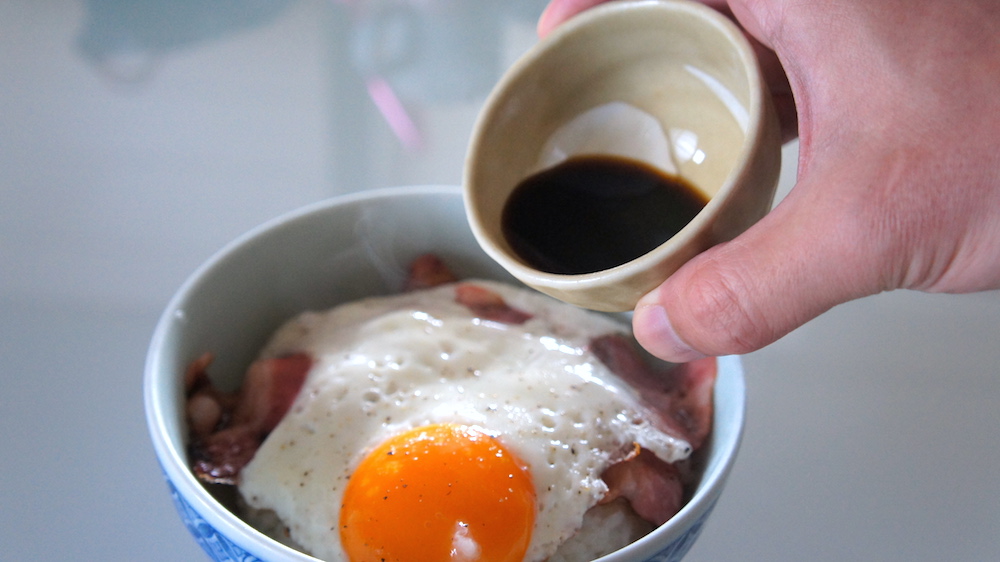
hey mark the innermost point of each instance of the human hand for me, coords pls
(899, 174)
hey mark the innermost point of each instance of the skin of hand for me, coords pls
(898, 114)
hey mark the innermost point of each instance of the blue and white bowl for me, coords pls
(328, 253)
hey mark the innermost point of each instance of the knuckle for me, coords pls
(720, 318)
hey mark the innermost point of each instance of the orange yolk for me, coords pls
(438, 493)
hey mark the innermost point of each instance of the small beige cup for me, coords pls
(679, 61)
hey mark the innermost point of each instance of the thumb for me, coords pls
(803, 258)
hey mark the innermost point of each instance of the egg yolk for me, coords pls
(438, 493)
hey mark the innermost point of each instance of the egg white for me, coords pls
(388, 364)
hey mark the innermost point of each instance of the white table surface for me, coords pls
(135, 143)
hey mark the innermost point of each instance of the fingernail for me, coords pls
(654, 332)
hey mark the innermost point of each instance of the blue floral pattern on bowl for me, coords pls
(217, 545)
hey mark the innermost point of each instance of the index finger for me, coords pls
(559, 11)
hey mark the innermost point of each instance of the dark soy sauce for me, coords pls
(591, 213)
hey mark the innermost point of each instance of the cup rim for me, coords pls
(173, 459)
(755, 131)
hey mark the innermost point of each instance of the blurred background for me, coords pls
(138, 137)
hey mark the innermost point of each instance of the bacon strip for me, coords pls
(488, 304)
(653, 487)
(682, 399)
(228, 428)
(428, 271)
(682, 395)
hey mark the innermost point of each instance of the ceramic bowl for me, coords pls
(315, 258)
(684, 64)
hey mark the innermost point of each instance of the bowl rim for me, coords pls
(173, 459)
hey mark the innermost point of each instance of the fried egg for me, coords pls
(423, 428)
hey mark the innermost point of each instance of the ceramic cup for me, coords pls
(329, 253)
(680, 62)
